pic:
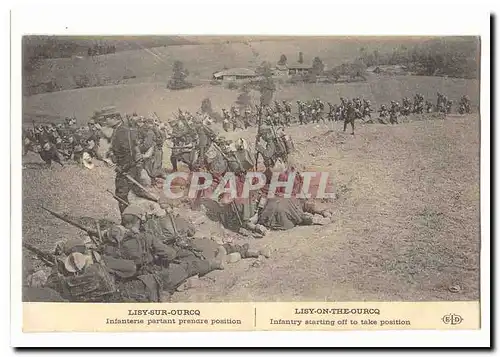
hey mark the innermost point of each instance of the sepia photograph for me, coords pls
(250, 168)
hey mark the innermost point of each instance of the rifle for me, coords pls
(151, 196)
(46, 258)
(117, 198)
(259, 121)
(92, 234)
(98, 230)
(279, 143)
(178, 238)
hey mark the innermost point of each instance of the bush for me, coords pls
(83, 81)
(178, 85)
(179, 75)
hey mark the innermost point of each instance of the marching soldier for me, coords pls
(383, 111)
(393, 112)
(449, 105)
(226, 123)
(367, 110)
(464, 105)
(428, 106)
(247, 117)
(267, 150)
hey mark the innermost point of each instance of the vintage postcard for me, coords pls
(211, 183)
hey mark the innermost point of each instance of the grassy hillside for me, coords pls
(67, 46)
(147, 97)
(206, 56)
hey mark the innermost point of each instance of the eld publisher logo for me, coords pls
(452, 319)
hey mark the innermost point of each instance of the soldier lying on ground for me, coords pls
(240, 215)
(283, 213)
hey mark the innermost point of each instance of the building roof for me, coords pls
(281, 67)
(244, 72)
(299, 66)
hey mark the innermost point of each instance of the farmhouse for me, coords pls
(281, 70)
(298, 68)
(235, 74)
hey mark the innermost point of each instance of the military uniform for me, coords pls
(125, 151)
(280, 213)
(350, 116)
(269, 151)
(393, 113)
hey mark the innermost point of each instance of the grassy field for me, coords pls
(147, 97)
(209, 55)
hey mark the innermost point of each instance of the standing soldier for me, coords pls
(236, 120)
(393, 112)
(267, 150)
(428, 106)
(302, 113)
(205, 138)
(247, 117)
(320, 106)
(367, 110)
(405, 110)
(382, 111)
(464, 105)
(125, 153)
(147, 146)
(350, 115)
(226, 123)
(449, 105)
(331, 113)
(443, 104)
(418, 104)
(287, 113)
(439, 100)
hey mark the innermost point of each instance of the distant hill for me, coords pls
(68, 46)
(140, 59)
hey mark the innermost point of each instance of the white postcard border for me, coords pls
(371, 19)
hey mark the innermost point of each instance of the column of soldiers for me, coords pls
(246, 116)
(314, 110)
(420, 106)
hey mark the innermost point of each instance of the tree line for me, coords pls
(454, 57)
(98, 50)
